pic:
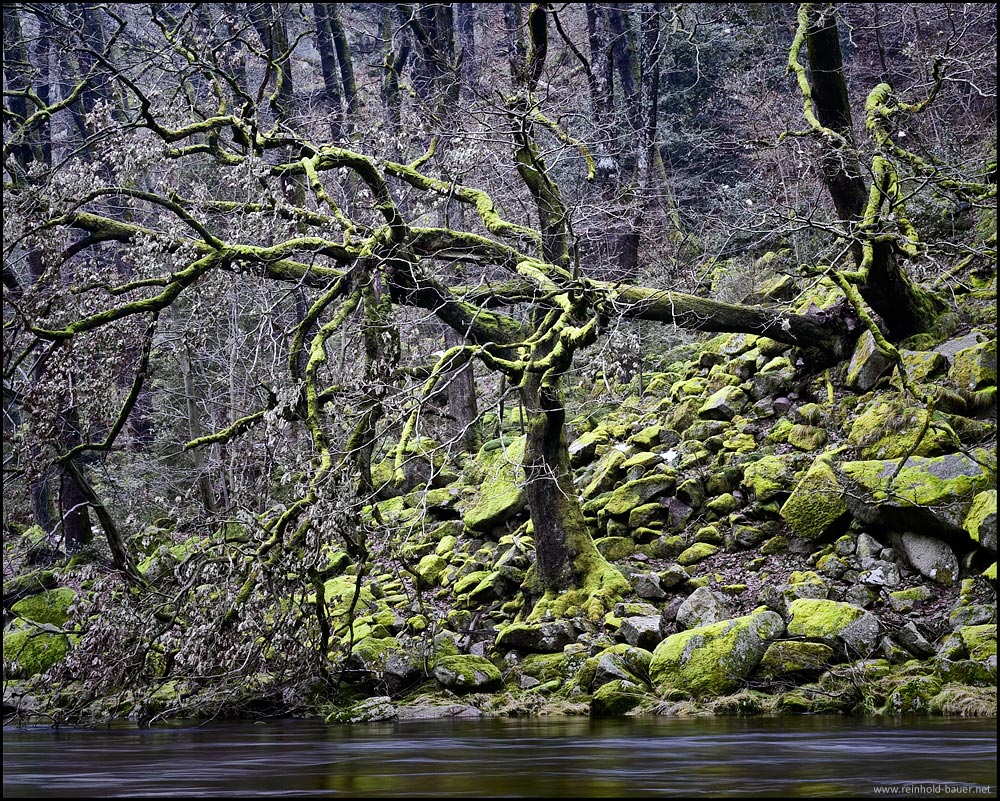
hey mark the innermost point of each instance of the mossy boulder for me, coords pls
(583, 449)
(807, 437)
(618, 662)
(384, 663)
(850, 630)
(639, 492)
(370, 710)
(501, 487)
(30, 651)
(769, 477)
(467, 673)
(925, 493)
(981, 521)
(868, 364)
(980, 641)
(548, 637)
(617, 698)
(794, 658)
(714, 660)
(51, 606)
(923, 365)
(429, 569)
(724, 404)
(975, 367)
(890, 428)
(696, 553)
(816, 506)
(606, 472)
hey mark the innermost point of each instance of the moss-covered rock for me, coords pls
(606, 472)
(501, 487)
(981, 520)
(30, 651)
(429, 569)
(848, 629)
(890, 428)
(905, 600)
(548, 637)
(794, 658)
(980, 641)
(696, 553)
(615, 549)
(714, 660)
(816, 506)
(583, 449)
(467, 673)
(370, 710)
(51, 606)
(975, 367)
(923, 365)
(806, 437)
(926, 493)
(724, 404)
(769, 476)
(636, 493)
(868, 364)
(617, 698)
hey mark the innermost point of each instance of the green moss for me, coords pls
(790, 657)
(889, 429)
(51, 606)
(906, 600)
(961, 700)
(696, 553)
(30, 651)
(981, 521)
(608, 469)
(806, 437)
(501, 493)
(713, 660)
(467, 673)
(940, 481)
(980, 641)
(636, 493)
(837, 624)
(615, 548)
(768, 477)
(816, 505)
(616, 698)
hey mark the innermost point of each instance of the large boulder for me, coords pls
(981, 521)
(925, 493)
(816, 506)
(501, 486)
(547, 637)
(466, 673)
(850, 630)
(716, 659)
(702, 608)
(930, 557)
(639, 492)
(868, 364)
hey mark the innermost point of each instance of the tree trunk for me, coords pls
(904, 307)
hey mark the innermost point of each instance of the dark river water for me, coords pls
(526, 758)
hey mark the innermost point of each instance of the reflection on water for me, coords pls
(548, 758)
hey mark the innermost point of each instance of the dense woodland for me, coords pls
(270, 268)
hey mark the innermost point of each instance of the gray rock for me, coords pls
(914, 642)
(547, 638)
(647, 585)
(702, 608)
(930, 557)
(868, 364)
(642, 632)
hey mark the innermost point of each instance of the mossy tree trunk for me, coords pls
(904, 307)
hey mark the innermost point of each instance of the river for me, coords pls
(525, 758)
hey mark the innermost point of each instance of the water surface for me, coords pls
(523, 758)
